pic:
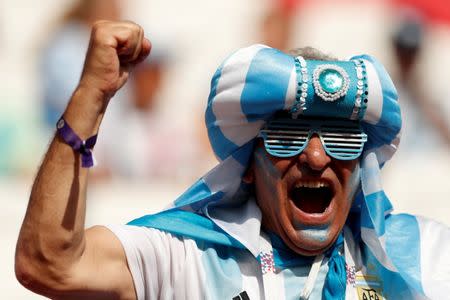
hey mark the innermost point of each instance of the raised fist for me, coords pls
(114, 49)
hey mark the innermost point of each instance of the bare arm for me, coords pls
(55, 256)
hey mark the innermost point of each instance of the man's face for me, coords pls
(304, 199)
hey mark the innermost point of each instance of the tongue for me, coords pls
(312, 200)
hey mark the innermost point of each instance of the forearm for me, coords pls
(55, 256)
(52, 234)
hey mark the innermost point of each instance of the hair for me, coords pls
(311, 53)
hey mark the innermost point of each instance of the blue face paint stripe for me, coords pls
(315, 234)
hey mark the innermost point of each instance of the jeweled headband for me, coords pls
(330, 88)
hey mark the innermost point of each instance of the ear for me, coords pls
(249, 175)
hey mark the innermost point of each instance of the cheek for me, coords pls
(267, 184)
(265, 167)
(348, 174)
(349, 178)
(267, 175)
(353, 182)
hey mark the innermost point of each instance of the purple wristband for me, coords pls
(77, 144)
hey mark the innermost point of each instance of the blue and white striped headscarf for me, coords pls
(246, 90)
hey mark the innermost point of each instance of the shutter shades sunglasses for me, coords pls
(286, 137)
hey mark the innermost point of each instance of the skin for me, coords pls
(274, 178)
(55, 255)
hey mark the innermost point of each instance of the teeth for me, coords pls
(312, 184)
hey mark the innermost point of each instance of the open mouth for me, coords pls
(312, 197)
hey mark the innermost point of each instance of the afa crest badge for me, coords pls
(368, 287)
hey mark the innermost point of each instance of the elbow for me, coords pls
(27, 274)
(37, 276)
(45, 267)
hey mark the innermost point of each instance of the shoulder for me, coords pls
(130, 233)
(156, 259)
(145, 243)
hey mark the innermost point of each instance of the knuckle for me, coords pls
(135, 28)
(98, 30)
(130, 23)
(99, 25)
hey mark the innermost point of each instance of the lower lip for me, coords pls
(315, 218)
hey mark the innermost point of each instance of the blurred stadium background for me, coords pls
(193, 37)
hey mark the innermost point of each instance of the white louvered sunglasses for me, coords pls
(341, 139)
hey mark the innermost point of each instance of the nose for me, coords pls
(314, 155)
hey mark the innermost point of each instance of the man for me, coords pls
(277, 218)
